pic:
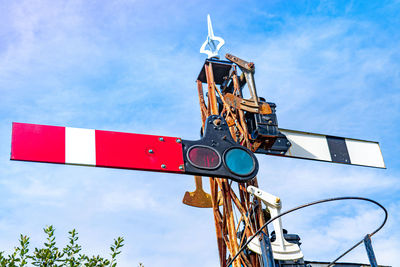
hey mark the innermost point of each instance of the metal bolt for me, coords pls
(178, 140)
(181, 167)
(151, 151)
(217, 122)
(161, 139)
(163, 166)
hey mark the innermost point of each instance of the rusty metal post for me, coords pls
(225, 225)
(211, 89)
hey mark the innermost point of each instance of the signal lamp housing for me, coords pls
(216, 154)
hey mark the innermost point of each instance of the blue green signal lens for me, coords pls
(239, 161)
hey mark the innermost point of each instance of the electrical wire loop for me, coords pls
(311, 204)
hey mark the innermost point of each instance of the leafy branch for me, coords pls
(51, 256)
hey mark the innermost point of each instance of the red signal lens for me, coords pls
(204, 157)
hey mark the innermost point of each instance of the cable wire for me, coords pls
(311, 204)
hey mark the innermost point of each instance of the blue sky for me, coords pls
(330, 66)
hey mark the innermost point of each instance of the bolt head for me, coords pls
(178, 140)
(163, 166)
(161, 139)
(181, 167)
(217, 122)
(151, 151)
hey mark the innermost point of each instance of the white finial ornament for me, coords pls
(211, 42)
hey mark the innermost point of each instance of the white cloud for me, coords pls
(34, 188)
(128, 201)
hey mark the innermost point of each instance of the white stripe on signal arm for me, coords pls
(365, 153)
(80, 146)
(307, 146)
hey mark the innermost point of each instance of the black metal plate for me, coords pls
(219, 139)
(338, 149)
(221, 69)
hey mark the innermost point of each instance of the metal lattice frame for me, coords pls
(231, 232)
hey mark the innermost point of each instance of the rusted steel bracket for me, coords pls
(247, 105)
(248, 69)
(249, 66)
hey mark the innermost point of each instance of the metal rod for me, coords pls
(315, 203)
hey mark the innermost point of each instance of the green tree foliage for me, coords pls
(51, 256)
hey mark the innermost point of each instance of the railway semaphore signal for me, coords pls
(233, 130)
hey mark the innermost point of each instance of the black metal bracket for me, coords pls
(217, 137)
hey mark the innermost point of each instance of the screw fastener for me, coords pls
(163, 166)
(178, 140)
(161, 139)
(181, 167)
(151, 151)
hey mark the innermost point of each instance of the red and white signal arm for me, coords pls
(216, 154)
(66, 145)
